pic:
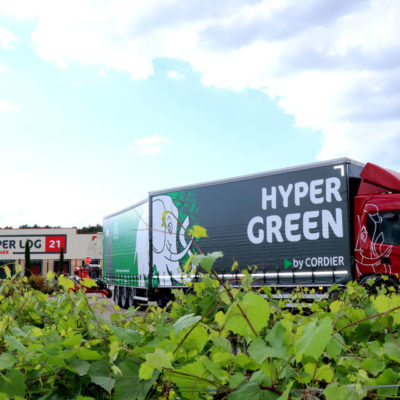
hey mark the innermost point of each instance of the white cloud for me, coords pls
(175, 75)
(3, 68)
(103, 73)
(149, 145)
(334, 65)
(5, 105)
(7, 38)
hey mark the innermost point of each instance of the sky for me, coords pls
(102, 101)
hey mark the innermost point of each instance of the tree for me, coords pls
(91, 229)
(27, 259)
(61, 261)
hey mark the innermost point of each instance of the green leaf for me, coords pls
(197, 339)
(276, 339)
(14, 343)
(72, 341)
(146, 371)
(66, 283)
(236, 380)
(217, 372)
(101, 375)
(88, 282)
(192, 383)
(388, 377)
(198, 232)
(336, 306)
(258, 350)
(334, 392)
(285, 394)
(128, 385)
(13, 384)
(7, 360)
(7, 271)
(127, 335)
(314, 339)
(334, 346)
(185, 322)
(88, 355)
(390, 349)
(373, 365)
(80, 366)
(159, 359)
(18, 269)
(257, 311)
(324, 373)
(50, 276)
(250, 390)
(206, 261)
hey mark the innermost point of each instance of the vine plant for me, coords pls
(214, 342)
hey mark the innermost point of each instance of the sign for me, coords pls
(38, 244)
(87, 260)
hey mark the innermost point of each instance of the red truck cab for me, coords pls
(377, 224)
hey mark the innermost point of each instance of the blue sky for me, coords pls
(102, 102)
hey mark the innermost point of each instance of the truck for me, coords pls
(314, 225)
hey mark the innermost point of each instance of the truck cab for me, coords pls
(377, 224)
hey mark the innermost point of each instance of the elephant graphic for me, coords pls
(166, 237)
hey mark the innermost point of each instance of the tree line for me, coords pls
(85, 229)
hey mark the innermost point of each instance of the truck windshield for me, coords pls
(384, 228)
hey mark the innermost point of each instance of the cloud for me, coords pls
(333, 65)
(3, 68)
(175, 75)
(6, 106)
(150, 145)
(7, 38)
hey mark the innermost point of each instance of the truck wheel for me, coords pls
(378, 283)
(117, 295)
(163, 298)
(131, 300)
(124, 297)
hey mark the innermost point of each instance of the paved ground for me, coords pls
(99, 303)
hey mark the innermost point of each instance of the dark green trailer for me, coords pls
(290, 227)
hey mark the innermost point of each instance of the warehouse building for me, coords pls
(45, 247)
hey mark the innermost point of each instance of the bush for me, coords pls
(40, 283)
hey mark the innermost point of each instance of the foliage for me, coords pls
(215, 342)
(40, 283)
(27, 259)
(91, 229)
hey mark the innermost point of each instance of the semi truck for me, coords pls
(313, 225)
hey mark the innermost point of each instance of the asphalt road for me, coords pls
(105, 307)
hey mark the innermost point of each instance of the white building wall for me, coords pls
(46, 243)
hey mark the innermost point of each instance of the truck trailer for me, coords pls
(313, 225)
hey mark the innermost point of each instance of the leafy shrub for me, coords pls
(40, 283)
(216, 342)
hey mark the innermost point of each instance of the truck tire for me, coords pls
(379, 282)
(131, 300)
(117, 295)
(124, 297)
(163, 298)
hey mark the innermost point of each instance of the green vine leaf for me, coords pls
(186, 322)
(100, 374)
(206, 261)
(256, 310)
(314, 339)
